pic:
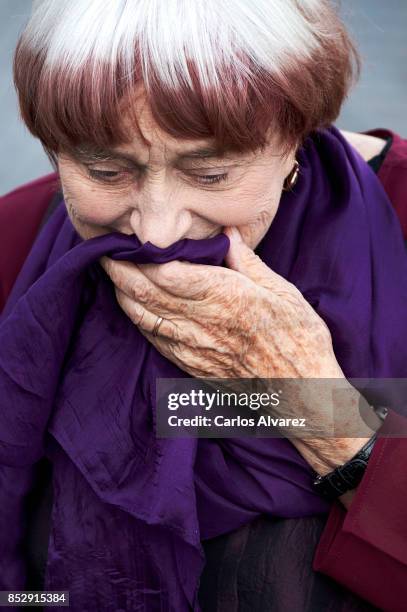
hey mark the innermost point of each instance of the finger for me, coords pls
(128, 277)
(144, 318)
(185, 279)
(243, 259)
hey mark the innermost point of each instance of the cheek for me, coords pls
(244, 205)
(251, 206)
(90, 205)
(257, 213)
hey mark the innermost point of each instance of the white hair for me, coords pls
(168, 33)
(231, 70)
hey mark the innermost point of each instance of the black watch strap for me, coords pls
(347, 476)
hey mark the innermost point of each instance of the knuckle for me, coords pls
(251, 259)
(141, 292)
(186, 308)
(169, 272)
(177, 334)
(177, 350)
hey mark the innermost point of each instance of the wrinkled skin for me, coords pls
(242, 321)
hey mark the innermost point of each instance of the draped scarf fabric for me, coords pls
(77, 384)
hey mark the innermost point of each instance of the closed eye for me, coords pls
(211, 179)
(115, 176)
(108, 176)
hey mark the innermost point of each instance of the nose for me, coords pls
(162, 225)
(161, 215)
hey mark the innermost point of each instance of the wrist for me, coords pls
(345, 478)
(325, 454)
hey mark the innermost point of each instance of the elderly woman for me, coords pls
(211, 223)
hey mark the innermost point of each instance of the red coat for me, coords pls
(363, 548)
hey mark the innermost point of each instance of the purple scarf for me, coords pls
(77, 384)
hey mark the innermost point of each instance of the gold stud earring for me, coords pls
(292, 178)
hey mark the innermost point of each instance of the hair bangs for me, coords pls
(207, 72)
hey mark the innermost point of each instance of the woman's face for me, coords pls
(166, 190)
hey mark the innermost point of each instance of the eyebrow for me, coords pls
(85, 152)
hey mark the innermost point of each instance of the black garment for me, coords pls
(253, 569)
(248, 570)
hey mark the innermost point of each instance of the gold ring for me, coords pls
(157, 325)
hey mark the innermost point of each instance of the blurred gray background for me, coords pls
(379, 100)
